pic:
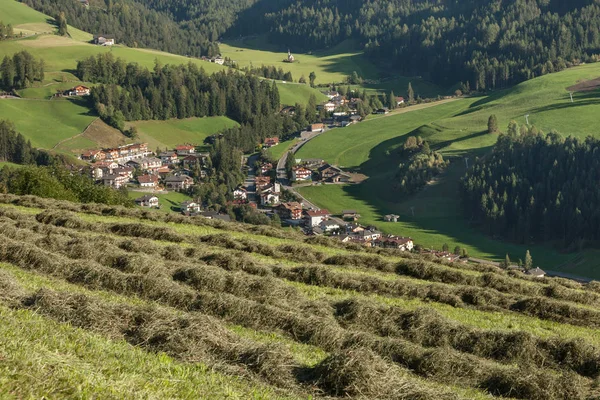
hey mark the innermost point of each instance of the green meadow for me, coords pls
(167, 134)
(292, 93)
(46, 122)
(330, 66)
(459, 130)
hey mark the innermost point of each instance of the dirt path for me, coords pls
(75, 136)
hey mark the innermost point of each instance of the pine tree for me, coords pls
(392, 101)
(410, 93)
(445, 247)
(492, 124)
(62, 24)
(528, 261)
(506, 263)
(457, 251)
(312, 77)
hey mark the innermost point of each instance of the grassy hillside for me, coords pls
(291, 93)
(167, 134)
(458, 130)
(198, 308)
(46, 122)
(334, 65)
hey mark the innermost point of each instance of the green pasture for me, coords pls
(292, 93)
(459, 130)
(167, 134)
(46, 122)
(276, 152)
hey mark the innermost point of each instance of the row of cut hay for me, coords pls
(196, 337)
(106, 252)
(413, 268)
(456, 295)
(119, 211)
(32, 201)
(314, 330)
(428, 328)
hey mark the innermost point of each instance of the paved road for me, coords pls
(249, 182)
(281, 173)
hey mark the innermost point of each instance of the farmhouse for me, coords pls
(218, 60)
(124, 171)
(169, 158)
(185, 149)
(329, 106)
(329, 226)
(395, 242)
(269, 198)
(340, 178)
(189, 206)
(92, 155)
(104, 40)
(316, 128)
(145, 163)
(79, 90)
(270, 142)
(315, 217)
(332, 94)
(147, 201)
(399, 100)
(114, 180)
(262, 182)
(350, 215)
(301, 174)
(291, 210)
(148, 181)
(536, 272)
(266, 167)
(240, 193)
(328, 171)
(178, 182)
(391, 218)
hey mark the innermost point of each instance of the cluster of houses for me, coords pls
(124, 165)
(319, 171)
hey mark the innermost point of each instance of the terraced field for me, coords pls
(128, 301)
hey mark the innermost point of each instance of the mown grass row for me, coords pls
(282, 237)
(483, 297)
(316, 330)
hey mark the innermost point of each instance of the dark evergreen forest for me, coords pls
(20, 71)
(537, 187)
(487, 44)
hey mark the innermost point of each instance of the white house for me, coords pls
(148, 181)
(329, 226)
(269, 198)
(315, 217)
(240, 194)
(301, 174)
(104, 40)
(147, 201)
(190, 206)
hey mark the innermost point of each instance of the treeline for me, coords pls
(6, 31)
(419, 166)
(537, 187)
(58, 183)
(20, 71)
(270, 72)
(485, 43)
(132, 24)
(174, 91)
(14, 148)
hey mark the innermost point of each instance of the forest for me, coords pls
(536, 186)
(20, 71)
(131, 24)
(6, 31)
(483, 45)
